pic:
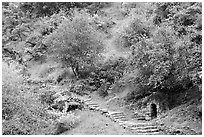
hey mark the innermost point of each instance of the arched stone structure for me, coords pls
(156, 104)
(153, 110)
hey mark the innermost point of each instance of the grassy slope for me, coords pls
(184, 118)
(185, 115)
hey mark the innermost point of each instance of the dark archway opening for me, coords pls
(153, 110)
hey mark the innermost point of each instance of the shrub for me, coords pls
(47, 97)
(103, 90)
(22, 112)
(11, 84)
(66, 122)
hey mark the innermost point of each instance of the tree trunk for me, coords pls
(73, 69)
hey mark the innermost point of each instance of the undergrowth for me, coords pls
(22, 111)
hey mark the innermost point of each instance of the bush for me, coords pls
(102, 91)
(22, 113)
(47, 97)
(11, 84)
(110, 70)
(66, 122)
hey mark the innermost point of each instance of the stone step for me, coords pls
(150, 133)
(139, 128)
(139, 125)
(115, 113)
(119, 117)
(129, 123)
(143, 127)
(121, 123)
(120, 120)
(145, 131)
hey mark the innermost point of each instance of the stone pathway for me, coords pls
(142, 128)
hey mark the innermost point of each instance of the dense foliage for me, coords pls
(75, 43)
(22, 113)
(165, 38)
(87, 41)
(167, 51)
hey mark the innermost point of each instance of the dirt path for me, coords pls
(93, 123)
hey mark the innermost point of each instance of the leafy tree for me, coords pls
(75, 43)
(185, 19)
(168, 54)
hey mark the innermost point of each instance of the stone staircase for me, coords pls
(143, 128)
(142, 116)
(117, 116)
